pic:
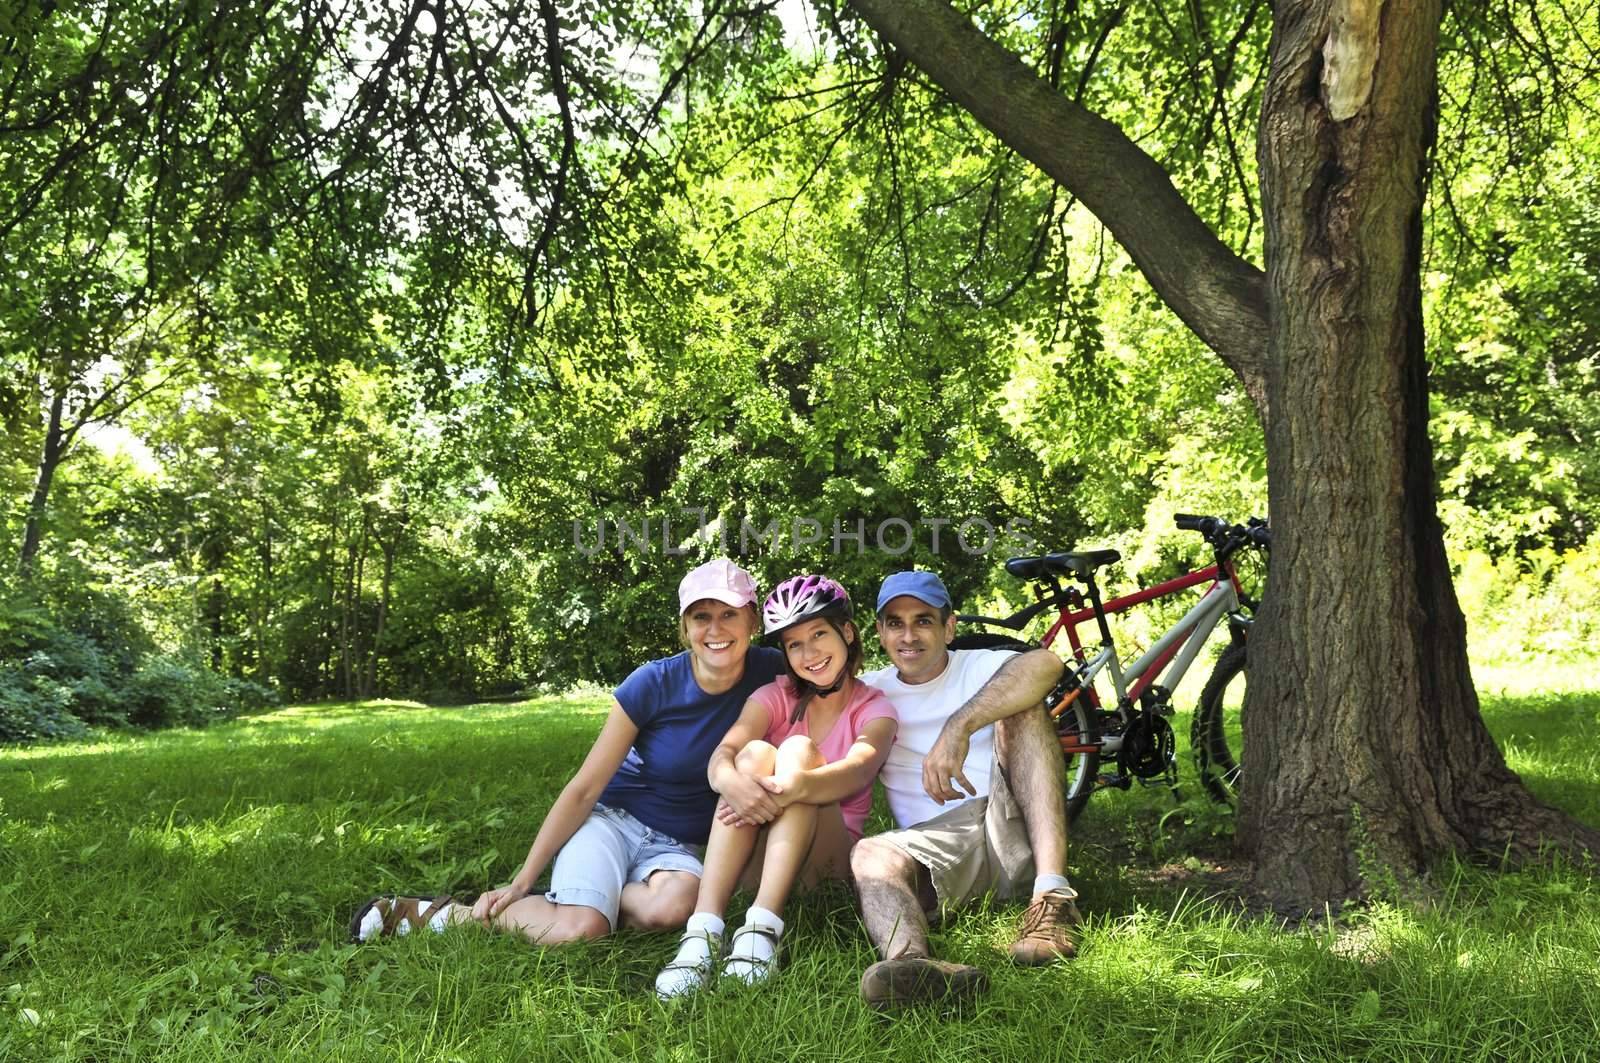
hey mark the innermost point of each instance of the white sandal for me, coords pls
(744, 964)
(684, 976)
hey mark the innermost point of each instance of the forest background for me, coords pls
(331, 341)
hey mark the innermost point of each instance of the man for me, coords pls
(973, 719)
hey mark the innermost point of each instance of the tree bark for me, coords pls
(389, 547)
(1360, 695)
(265, 598)
(1360, 691)
(328, 667)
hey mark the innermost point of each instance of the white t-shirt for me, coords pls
(923, 709)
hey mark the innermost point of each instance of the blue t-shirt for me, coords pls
(662, 780)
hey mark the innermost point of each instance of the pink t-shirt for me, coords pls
(866, 704)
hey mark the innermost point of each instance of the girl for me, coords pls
(811, 744)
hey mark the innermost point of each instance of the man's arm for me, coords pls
(1019, 685)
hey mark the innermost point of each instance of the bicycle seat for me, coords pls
(1065, 563)
(1025, 567)
(1081, 564)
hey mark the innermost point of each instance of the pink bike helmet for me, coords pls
(803, 598)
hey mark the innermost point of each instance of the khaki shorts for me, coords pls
(979, 847)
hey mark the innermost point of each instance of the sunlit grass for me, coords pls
(185, 895)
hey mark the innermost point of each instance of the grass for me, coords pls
(185, 895)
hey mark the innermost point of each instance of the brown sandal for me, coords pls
(412, 912)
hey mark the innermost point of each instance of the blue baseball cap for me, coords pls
(924, 586)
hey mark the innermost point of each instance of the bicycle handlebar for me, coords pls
(1207, 526)
(1227, 538)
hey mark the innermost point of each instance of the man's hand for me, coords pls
(944, 763)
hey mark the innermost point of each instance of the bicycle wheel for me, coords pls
(1216, 737)
(1080, 752)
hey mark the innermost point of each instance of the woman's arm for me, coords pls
(838, 779)
(571, 808)
(743, 793)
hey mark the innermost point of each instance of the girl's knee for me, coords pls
(799, 752)
(756, 758)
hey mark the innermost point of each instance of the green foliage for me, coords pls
(90, 664)
(31, 709)
(1513, 283)
(1533, 607)
(390, 374)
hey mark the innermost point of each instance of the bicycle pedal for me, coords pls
(1118, 782)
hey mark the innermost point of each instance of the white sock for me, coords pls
(761, 917)
(705, 923)
(1043, 884)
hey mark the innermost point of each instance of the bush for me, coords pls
(31, 710)
(90, 678)
(1541, 604)
(54, 681)
(165, 692)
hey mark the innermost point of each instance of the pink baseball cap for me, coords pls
(721, 580)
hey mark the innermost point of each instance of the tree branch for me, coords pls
(1215, 292)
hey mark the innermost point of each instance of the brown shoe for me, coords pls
(1048, 930)
(918, 979)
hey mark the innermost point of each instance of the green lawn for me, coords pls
(185, 895)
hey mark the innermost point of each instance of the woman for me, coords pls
(795, 773)
(621, 832)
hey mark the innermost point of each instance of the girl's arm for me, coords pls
(838, 779)
(571, 808)
(744, 794)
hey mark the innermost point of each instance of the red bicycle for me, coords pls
(1134, 732)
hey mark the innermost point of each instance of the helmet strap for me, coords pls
(823, 692)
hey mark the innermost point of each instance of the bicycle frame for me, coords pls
(1134, 731)
(1178, 646)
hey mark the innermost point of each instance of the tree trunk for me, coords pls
(1360, 696)
(1360, 693)
(328, 666)
(213, 555)
(50, 455)
(389, 547)
(348, 618)
(265, 610)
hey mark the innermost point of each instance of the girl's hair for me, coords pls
(755, 625)
(852, 662)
